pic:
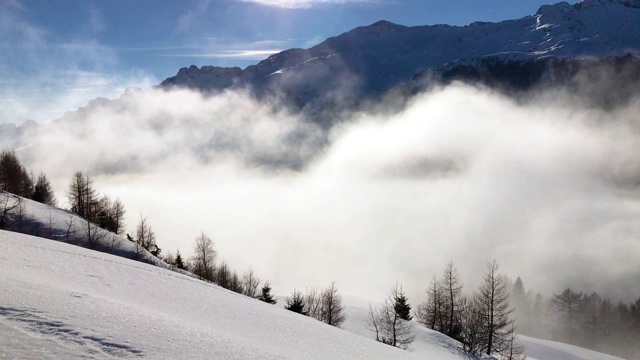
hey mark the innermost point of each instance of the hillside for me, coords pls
(31, 217)
(63, 301)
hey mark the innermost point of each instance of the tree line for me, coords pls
(15, 179)
(480, 321)
(487, 320)
(580, 318)
(325, 305)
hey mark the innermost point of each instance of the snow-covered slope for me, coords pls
(64, 302)
(373, 59)
(34, 218)
(537, 349)
(59, 301)
(434, 345)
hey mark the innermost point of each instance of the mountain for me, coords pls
(371, 60)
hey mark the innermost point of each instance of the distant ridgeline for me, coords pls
(551, 47)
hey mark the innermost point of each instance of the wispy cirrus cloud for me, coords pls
(304, 4)
(186, 20)
(229, 48)
(233, 54)
(44, 76)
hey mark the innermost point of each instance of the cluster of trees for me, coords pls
(582, 319)
(481, 321)
(486, 320)
(15, 179)
(203, 264)
(105, 216)
(85, 201)
(323, 305)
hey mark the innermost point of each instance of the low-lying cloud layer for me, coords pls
(549, 190)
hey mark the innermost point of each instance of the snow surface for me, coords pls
(537, 349)
(59, 301)
(62, 225)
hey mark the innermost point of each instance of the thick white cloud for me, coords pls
(548, 189)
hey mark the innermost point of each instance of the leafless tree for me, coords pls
(94, 235)
(431, 312)
(388, 325)
(70, 229)
(451, 290)
(82, 197)
(471, 325)
(313, 303)
(9, 204)
(332, 307)
(114, 242)
(493, 304)
(118, 212)
(48, 231)
(145, 236)
(170, 258)
(512, 350)
(204, 257)
(19, 216)
(250, 283)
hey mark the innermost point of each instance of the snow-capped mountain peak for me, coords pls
(372, 59)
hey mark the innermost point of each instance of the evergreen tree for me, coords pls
(14, 178)
(179, 262)
(223, 275)
(235, 284)
(521, 306)
(567, 305)
(266, 294)
(401, 305)
(296, 303)
(42, 191)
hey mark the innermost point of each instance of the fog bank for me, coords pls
(547, 188)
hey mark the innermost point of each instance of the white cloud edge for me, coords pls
(305, 4)
(232, 54)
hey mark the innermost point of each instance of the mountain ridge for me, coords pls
(370, 60)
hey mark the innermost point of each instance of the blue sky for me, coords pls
(57, 55)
